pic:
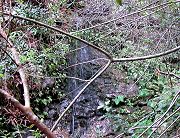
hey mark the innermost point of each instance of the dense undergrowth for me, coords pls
(44, 54)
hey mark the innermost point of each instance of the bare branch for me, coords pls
(29, 114)
(96, 47)
(146, 116)
(170, 73)
(147, 57)
(169, 127)
(136, 12)
(120, 135)
(23, 77)
(79, 94)
(141, 127)
(158, 125)
(63, 32)
(21, 71)
(85, 62)
(75, 78)
(159, 119)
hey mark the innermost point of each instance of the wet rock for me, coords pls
(99, 128)
(54, 110)
(48, 82)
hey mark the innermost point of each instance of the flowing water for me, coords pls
(85, 107)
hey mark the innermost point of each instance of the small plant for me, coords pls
(118, 99)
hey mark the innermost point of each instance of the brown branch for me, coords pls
(26, 110)
(169, 73)
(147, 57)
(21, 71)
(23, 77)
(63, 32)
(96, 47)
(29, 114)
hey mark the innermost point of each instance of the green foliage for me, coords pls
(37, 134)
(41, 59)
(1, 71)
(143, 93)
(155, 93)
(48, 62)
(145, 122)
(119, 2)
(118, 99)
(162, 102)
(105, 106)
(48, 55)
(7, 131)
(19, 1)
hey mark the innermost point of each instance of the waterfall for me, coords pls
(87, 103)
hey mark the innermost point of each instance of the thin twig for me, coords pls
(20, 70)
(146, 116)
(76, 78)
(54, 77)
(169, 126)
(82, 85)
(117, 28)
(147, 57)
(136, 12)
(120, 135)
(77, 49)
(142, 127)
(85, 62)
(63, 32)
(159, 119)
(170, 73)
(96, 47)
(158, 125)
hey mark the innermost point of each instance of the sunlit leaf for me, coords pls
(119, 99)
(119, 2)
(1, 75)
(20, 1)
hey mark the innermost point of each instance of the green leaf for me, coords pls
(20, 1)
(1, 75)
(143, 93)
(119, 2)
(152, 104)
(119, 99)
